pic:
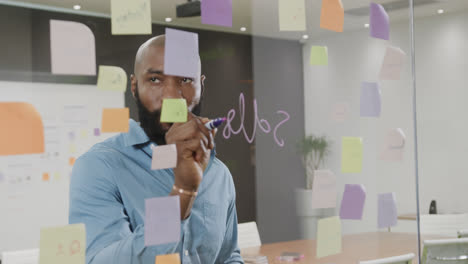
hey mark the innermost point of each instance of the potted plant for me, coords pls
(313, 150)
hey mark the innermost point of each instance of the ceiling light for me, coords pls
(243, 29)
(77, 7)
(305, 36)
(366, 25)
(440, 11)
(168, 19)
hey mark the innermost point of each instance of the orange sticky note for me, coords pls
(332, 15)
(45, 176)
(168, 259)
(71, 161)
(115, 120)
(22, 129)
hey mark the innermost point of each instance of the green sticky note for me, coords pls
(131, 17)
(351, 155)
(319, 55)
(112, 78)
(328, 236)
(65, 244)
(174, 111)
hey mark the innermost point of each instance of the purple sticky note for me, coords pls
(181, 53)
(352, 204)
(370, 99)
(217, 12)
(71, 135)
(162, 220)
(379, 22)
(387, 210)
(97, 132)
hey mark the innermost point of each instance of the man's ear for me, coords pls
(133, 84)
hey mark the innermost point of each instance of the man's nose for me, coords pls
(172, 89)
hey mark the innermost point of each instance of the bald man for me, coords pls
(110, 182)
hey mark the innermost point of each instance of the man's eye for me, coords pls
(187, 80)
(155, 80)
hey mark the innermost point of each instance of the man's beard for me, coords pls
(150, 122)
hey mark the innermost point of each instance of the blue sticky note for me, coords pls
(181, 54)
(216, 12)
(379, 23)
(387, 214)
(162, 220)
(370, 99)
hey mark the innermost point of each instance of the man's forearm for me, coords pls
(186, 202)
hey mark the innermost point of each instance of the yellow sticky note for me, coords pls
(319, 55)
(174, 111)
(112, 78)
(131, 17)
(332, 15)
(168, 259)
(328, 236)
(83, 134)
(65, 244)
(115, 120)
(72, 148)
(292, 15)
(351, 155)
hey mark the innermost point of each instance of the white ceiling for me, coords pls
(260, 17)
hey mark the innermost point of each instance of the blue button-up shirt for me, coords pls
(109, 185)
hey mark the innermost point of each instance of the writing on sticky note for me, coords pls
(115, 120)
(112, 78)
(174, 111)
(394, 145)
(319, 55)
(168, 259)
(162, 220)
(66, 244)
(292, 15)
(352, 204)
(328, 236)
(379, 22)
(351, 155)
(131, 17)
(392, 64)
(371, 100)
(387, 212)
(23, 132)
(332, 15)
(181, 56)
(324, 189)
(164, 157)
(216, 12)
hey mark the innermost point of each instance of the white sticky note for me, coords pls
(292, 15)
(72, 48)
(164, 157)
(162, 220)
(181, 53)
(131, 17)
(328, 236)
(394, 145)
(392, 64)
(324, 189)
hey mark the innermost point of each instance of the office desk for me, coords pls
(364, 246)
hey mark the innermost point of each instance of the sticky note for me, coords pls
(332, 15)
(56, 176)
(71, 161)
(162, 220)
(319, 55)
(292, 15)
(352, 204)
(168, 259)
(66, 244)
(71, 135)
(371, 100)
(131, 17)
(83, 134)
(181, 53)
(328, 236)
(216, 12)
(164, 157)
(392, 64)
(45, 176)
(324, 189)
(112, 78)
(174, 111)
(340, 111)
(387, 212)
(72, 48)
(115, 120)
(22, 130)
(351, 155)
(97, 132)
(394, 145)
(72, 148)
(379, 22)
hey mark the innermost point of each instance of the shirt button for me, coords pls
(186, 252)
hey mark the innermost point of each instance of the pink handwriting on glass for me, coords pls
(75, 248)
(262, 123)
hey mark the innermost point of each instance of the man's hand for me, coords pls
(194, 144)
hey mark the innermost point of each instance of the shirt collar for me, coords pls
(136, 135)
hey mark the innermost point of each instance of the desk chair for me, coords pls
(445, 251)
(444, 225)
(248, 235)
(462, 233)
(30, 256)
(403, 259)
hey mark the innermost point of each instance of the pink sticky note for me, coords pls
(370, 100)
(379, 22)
(216, 12)
(352, 204)
(392, 64)
(324, 189)
(394, 145)
(162, 220)
(97, 132)
(387, 210)
(181, 53)
(164, 157)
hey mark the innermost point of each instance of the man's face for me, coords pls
(150, 86)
